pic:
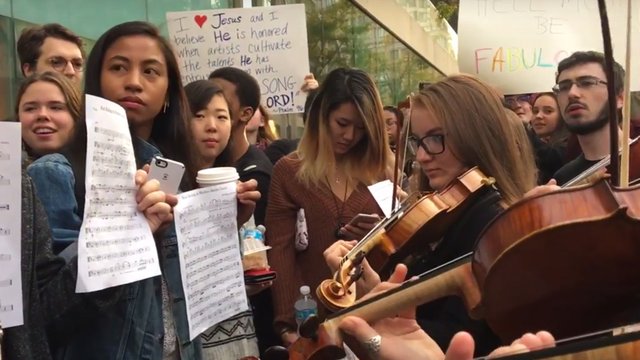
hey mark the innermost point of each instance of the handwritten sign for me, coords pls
(270, 43)
(516, 45)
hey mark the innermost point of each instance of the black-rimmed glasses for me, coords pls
(583, 82)
(431, 144)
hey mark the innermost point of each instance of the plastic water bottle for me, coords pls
(305, 305)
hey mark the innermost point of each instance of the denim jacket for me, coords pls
(128, 321)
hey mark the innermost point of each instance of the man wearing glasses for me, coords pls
(51, 47)
(581, 88)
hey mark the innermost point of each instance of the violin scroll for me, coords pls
(334, 296)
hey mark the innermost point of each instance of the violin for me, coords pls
(405, 232)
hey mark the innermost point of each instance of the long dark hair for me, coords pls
(169, 131)
(199, 93)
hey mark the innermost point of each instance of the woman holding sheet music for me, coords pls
(130, 64)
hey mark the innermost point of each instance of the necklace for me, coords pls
(338, 233)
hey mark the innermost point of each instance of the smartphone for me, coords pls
(364, 218)
(168, 173)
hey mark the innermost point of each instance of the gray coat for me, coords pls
(38, 266)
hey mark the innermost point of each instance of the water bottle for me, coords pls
(305, 305)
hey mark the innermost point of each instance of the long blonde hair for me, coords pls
(480, 133)
(369, 160)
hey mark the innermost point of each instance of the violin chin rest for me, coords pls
(276, 353)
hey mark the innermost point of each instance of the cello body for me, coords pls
(566, 262)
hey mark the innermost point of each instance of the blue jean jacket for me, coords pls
(130, 325)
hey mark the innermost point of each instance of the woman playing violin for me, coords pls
(457, 124)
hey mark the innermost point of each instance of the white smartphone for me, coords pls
(168, 173)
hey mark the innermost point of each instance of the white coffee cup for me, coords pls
(215, 176)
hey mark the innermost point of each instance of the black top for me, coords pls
(442, 318)
(549, 157)
(280, 148)
(254, 164)
(572, 169)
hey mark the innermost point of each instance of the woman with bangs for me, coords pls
(48, 108)
(343, 150)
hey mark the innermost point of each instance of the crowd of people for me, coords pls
(528, 144)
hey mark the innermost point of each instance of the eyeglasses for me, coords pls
(512, 101)
(59, 63)
(431, 144)
(583, 82)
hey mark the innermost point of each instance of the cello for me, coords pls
(502, 282)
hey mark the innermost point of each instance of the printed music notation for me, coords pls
(115, 244)
(10, 224)
(123, 266)
(111, 228)
(116, 255)
(209, 252)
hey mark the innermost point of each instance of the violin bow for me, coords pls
(402, 134)
(626, 111)
(612, 110)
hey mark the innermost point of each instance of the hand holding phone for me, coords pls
(359, 226)
(168, 173)
(364, 218)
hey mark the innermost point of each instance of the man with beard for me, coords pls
(581, 88)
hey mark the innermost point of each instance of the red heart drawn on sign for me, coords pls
(200, 19)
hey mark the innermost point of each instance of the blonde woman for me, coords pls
(343, 150)
(457, 124)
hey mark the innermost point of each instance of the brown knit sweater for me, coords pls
(296, 268)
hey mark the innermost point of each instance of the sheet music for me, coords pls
(383, 194)
(212, 275)
(115, 244)
(10, 224)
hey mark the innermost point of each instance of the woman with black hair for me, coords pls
(133, 65)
